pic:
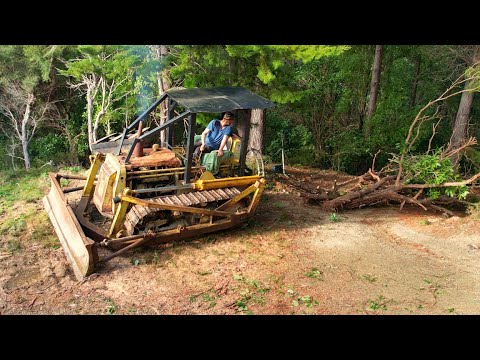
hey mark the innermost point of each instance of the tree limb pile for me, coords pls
(374, 188)
(396, 182)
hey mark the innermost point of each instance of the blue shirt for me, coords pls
(216, 134)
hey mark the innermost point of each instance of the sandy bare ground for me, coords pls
(292, 259)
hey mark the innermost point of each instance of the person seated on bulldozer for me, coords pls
(215, 145)
(215, 136)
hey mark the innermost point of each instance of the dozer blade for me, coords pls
(79, 249)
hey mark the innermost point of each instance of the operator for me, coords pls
(216, 135)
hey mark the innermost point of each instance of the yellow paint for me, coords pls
(207, 175)
(226, 182)
(119, 218)
(111, 182)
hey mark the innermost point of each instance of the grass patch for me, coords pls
(378, 304)
(207, 297)
(152, 258)
(314, 273)
(210, 299)
(369, 278)
(28, 186)
(14, 226)
(73, 169)
(43, 232)
(284, 218)
(334, 217)
(14, 246)
(251, 292)
(270, 185)
(112, 307)
(306, 300)
(280, 204)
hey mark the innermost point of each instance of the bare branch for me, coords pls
(434, 132)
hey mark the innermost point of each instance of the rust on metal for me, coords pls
(138, 151)
(134, 217)
(80, 251)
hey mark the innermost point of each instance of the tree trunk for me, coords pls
(460, 127)
(72, 145)
(413, 97)
(90, 117)
(163, 85)
(26, 118)
(257, 130)
(97, 121)
(459, 133)
(374, 85)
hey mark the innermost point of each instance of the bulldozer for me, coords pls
(139, 192)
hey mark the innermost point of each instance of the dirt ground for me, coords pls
(292, 259)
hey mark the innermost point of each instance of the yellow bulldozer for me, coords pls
(139, 191)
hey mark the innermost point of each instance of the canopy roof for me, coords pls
(215, 100)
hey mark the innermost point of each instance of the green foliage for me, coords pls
(23, 185)
(306, 300)
(377, 304)
(432, 169)
(349, 151)
(251, 291)
(334, 217)
(127, 72)
(14, 226)
(314, 273)
(321, 92)
(297, 140)
(48, 147)
(28, 65)
(111, 307)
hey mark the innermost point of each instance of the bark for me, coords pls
(379, 190)
(257, 130)
(460, 127)
(413, 97)
(25, 140)
(374, 85)
(164, 84)
(90, 90)
(459, 133)
(26, 118)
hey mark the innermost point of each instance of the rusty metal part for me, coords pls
(80, 251)
(138, 151)
(73, 189)
(77, 177)
(175, 234)
(174, 202)
(136, 243)
(239, 196)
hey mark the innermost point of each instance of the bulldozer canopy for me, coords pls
(216, 100)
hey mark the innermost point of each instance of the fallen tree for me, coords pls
(429, 180)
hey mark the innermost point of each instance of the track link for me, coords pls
(137, 213)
